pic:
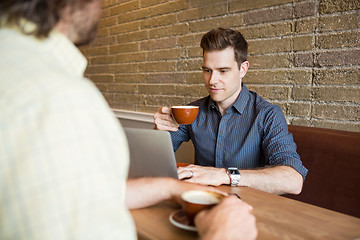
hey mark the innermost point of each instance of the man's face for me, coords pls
(222, 76)
(84, 19)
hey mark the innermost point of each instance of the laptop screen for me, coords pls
(151, 153)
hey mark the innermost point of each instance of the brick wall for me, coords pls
(304, 55)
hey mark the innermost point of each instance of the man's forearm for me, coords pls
(277, 180)
(144, 192)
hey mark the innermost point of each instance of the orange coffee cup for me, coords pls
(184, 114)
(196, 200)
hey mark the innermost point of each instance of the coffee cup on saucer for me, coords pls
(196, 200)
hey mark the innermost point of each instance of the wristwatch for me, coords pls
(234, 176)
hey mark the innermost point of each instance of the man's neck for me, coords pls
(224, 105)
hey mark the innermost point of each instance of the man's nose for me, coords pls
(214, 78)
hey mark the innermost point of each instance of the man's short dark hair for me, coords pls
(221, 38)
(45, 14)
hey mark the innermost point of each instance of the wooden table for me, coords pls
(277, 218)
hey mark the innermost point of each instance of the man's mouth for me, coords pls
(215, 89)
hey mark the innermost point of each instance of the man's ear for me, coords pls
(243, 68)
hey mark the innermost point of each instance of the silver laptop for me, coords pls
(151, 153)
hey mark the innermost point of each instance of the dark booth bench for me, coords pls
(333, 160)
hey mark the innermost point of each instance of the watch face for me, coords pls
(234, 171)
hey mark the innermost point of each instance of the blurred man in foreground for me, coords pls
(63, 155)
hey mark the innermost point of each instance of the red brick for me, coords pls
(107, 3)
(195, 52)
(133, 15)
(93, 51)
(348, 76)
(269, 76)
(123, 48)
(157, 21)
(208, 3)
(102, 78)
(126, 98)
(202, 12)
(168, 42)
(305, 25)
(268, 15)
(302, 93)
(339, 22)
(123, 88)
(194, 77)
(168, 7)
(339, 40)
(299, 109)
(346, 126)
(206, 25)
(304, 60)
(157, 66)
(130, 57)
(147, 3)
(167, 54)
(160, 100)
(304, 9)
(271, 61)
(271, 92)
(124, 27)
(132, 37)
(336, 112)
(172, 30)
(109, 21)
(337, 94)
(124, 68)
(104, 41)
(303, 43)
(102, 59)
(268, 30)
(189, 65)
(190, 40)
(270, 45)
(130, 77)
(174, 77)
(122, 8)
(339, 58)
(239, 6)
(331, 6)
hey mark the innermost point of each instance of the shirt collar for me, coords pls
(239, 104)
(242, 100)
(66, 53)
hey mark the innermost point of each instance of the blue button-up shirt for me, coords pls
(252, 133)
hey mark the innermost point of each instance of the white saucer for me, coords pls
(179, 220)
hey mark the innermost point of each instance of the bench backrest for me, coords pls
(333, 160)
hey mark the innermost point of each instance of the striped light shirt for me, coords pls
(63, 156)
(252, 133)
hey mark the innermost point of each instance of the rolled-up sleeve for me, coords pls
(278, 144)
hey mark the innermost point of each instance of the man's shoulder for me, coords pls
(263, 108)
(260, 103)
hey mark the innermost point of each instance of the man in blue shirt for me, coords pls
(239, 138)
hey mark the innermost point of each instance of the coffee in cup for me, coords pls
(196, 200)
(184, 114)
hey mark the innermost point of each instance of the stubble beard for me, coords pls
(85, 24)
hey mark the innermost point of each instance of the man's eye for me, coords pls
(206, 70)
(224, 71)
